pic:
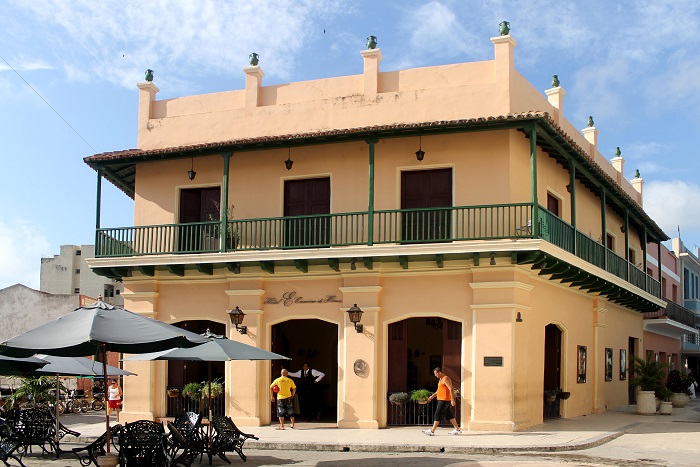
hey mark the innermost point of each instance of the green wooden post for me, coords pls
(98, 209)
(644, 261)
(572, 191)
(224, 202)
(658, 244)
(604, 228)
(627, 242)
(533, 182)
(370, 204)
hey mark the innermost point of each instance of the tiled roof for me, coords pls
(243, 144)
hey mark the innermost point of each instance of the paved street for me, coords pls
(614, 438)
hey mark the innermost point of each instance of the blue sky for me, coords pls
(633, 65)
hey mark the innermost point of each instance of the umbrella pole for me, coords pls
(104, 384)
(55, 409)
(209, 415)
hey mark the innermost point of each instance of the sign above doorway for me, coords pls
(291, 298)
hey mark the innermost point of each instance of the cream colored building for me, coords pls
(475, 227)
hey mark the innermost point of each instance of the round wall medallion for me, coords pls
(360, 367)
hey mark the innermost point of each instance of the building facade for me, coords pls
(690, 295)
(68, 274)
(471, 223)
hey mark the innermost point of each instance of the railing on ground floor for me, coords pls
(179, 404)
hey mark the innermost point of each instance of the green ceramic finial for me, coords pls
(372, 42)
(590, 121)
(636, 173)
(253, 59)
(149, 75)
(618, 153)
(505, 28)
(555, 81)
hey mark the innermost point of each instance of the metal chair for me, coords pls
(143, 444)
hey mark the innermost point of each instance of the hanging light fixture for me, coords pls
(191, 173)
(352, 264)
(420, 154)
(288, 163)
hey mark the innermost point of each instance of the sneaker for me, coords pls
(455, 432)
(428, 432)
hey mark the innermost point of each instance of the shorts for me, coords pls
(115, 404)
(285, 407)
(443, 411)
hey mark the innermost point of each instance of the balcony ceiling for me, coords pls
(119, 167)
(665, 326)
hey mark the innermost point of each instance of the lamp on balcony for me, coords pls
(355, 315)
(493, 259)
(623, 229)
(352, 264)
(288, 163)
(191, 173)
(420, 154)
(236, 316)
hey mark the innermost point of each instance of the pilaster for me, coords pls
(371, 59)
(555, 96)
(253, 84)
(147, 95)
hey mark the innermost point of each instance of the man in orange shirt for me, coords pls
(446, 400)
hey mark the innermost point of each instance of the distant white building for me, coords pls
(67, 273)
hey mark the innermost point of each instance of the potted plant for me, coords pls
(232, 235)
(679, 384)
(173, 392)
(420, 395)
(648, 375)
(216, 389)
(399, 398)
(665, 406)
(192, 390)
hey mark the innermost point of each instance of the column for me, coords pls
(253, 83)
(371, 59)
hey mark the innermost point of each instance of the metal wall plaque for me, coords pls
(360, 367)
(493, 361)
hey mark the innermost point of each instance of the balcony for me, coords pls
(388, 227)
(673, 321)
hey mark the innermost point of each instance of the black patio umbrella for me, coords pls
(100, 327)
(217, 349)
(11, 366)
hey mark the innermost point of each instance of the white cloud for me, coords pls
(117, 41)
(25, 65)
(21, 247)
(672, 204)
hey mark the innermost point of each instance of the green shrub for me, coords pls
(678, 382)
(420, 395)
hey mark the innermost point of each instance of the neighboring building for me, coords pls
(23, 308)
(470, 222)
(690, 294)
(666, 328)
(67, 273)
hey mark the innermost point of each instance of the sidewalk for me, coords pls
(556, 435)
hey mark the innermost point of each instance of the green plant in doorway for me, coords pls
(192, 390)
(420, 395)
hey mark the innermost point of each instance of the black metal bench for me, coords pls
(88, 454)
(9, 444)
(36, 426)
(228, 438)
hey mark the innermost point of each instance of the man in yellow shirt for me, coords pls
(285, 397)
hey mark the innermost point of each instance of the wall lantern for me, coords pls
(236, 316)
(352, 264)
(493, 259)
(288, 163)
(191, 173)
(355, 315)
(420, 154)
(519, 318)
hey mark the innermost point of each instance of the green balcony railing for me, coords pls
(394, 226)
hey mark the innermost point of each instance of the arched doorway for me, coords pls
(552, 371)
(315, 342)
(188, 371)
(415, 347)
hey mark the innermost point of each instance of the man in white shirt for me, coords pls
(308, 396)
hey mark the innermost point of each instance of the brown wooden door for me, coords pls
(199, 205)
(426, 189)
(307, 198)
